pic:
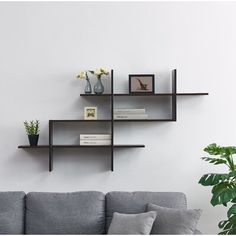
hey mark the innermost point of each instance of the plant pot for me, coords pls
(33, 140)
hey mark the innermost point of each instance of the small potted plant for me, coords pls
(32, 130)
(98, 87)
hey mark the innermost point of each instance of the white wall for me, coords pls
(43, 46)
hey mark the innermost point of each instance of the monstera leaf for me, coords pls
(212, 179)
(229, 226)
(223, 193)
(215, 161)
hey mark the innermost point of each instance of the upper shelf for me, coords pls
(145, 95)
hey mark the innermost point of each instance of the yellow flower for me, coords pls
(81, 75)
(101, 71)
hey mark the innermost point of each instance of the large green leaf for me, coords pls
(232, 230)
(213, 149)
(232, 211)
(227, 226)
(212, 179)
(224, 232)
(222, 193)
(226, 151)
(222, 223)
(215, 161)
(232, 174)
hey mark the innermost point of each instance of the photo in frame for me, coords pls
(90, 113)
(141, 83)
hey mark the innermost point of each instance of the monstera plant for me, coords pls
(223, 185)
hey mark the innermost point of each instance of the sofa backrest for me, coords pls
(74, 213)
(136, 202)
(12, 212)
(65, 213)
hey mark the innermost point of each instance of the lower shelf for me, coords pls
(85, 146)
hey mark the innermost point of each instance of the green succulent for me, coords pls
(32, 127)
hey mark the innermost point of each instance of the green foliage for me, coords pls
(223, 185)
(32, 127)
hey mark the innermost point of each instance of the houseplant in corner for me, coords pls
(223, 184)
(32, 130)
(98, 87)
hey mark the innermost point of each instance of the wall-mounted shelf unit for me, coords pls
(173, 95)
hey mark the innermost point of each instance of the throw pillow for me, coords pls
(174, 221)
(132, 223)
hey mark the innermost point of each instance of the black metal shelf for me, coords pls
(33, 147)
(95, 95)
(143, 120)
(173, 95)
(143, 95)
(74, 121)
(84, 146)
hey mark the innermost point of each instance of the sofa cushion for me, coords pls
(132, 223)
(12, 206)
(65, 213)
(136, 202)
(174, 221)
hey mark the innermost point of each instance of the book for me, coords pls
(130, 116)
(95, 142)
(129, 111)
(95, 136)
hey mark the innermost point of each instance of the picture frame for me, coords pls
(90, 113)
(142, 83)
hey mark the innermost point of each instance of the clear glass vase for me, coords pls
(88, 88)
(98, 87)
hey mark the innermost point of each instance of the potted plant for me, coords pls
(32, 130)
(223, 184)
(84, 75)
(98, 87)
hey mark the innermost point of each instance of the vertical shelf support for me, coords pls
(50, 145)
(112, 122)
(174, 97)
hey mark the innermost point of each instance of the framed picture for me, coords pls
(141, 83)
(90, 113)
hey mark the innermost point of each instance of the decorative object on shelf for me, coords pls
(129, 113)
(223, 185)
(90, 113)
(84, 75)
(32, 130)
(95, 139)
(98, 87)
(141, 83)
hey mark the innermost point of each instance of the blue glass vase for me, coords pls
(88, 88)
(98, 87)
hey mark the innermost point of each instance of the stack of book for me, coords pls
(95, 139)
(129, 114)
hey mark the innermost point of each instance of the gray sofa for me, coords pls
(77, 212)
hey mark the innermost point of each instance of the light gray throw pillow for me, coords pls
(132, 223)
(174, 221)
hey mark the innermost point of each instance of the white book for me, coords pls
(95, 142)
(129, 111)
(95, 136)
(130, 116)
